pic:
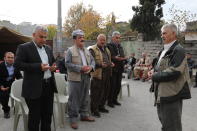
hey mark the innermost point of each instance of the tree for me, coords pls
(90, 23)
(180, 17)
(73, 17)
(84, 18)
(147, 18)
(52, 30)
(110, 23)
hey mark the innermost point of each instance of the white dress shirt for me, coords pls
(45, 60)
(83, 57)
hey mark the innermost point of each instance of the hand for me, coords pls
(126, 57)
(112, 64)
(89, 69)
(104, 65)
(150, 74)
(4, 89)
(53, 67)
(84, 68)
(118, 58)
(45, 67)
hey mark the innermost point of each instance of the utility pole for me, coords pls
(59, 28)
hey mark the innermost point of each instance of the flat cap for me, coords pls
(77, 32)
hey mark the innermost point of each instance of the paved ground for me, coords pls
(137, 113)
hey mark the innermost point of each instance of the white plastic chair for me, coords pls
(20, 105)
(61, 98)
(124, 83)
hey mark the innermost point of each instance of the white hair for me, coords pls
(101, 35)
(40, 28)
(115, 33)
(173, 27)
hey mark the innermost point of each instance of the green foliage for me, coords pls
(52, 30)
(123, 27)
(90, 23)
(73, 17)
(147, 18)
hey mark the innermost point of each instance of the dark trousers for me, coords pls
(100, 90)
(41, 109)
(4, 99)
(170, 115)
(95, 94)
(106, 87)
(115, 86)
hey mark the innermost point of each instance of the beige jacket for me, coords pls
(98, 60)
(74, 64)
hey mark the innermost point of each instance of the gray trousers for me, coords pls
(78, 102)
(170, 115)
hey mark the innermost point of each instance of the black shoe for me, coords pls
(96, 114)
(103, 110)
(7, 115)
(111, 105)
(195, 86)
(117, 103)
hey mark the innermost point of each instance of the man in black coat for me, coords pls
(37, 61)
(131, 62)
(7, 75)
(118, 58)
(171, 80)
(61, 66)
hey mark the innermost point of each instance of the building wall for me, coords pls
(190, 36)
(68, 43)
(152, 47)
(136, 46)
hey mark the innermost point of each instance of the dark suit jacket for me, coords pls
(29, 61)
(4, 74)
(133, 62)
(62, 68)
(114, 49)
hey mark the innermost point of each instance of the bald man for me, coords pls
(100, 82)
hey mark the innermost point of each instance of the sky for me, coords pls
(45, 11)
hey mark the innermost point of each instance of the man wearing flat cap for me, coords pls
(79, 63)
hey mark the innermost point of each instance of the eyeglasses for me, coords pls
(117, 37)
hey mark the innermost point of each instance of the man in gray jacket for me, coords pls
(171, 80)
(79, 63)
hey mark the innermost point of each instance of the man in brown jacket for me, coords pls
(101, 76)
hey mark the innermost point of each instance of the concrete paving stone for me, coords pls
(136, 113)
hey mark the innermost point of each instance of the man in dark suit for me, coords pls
(37, 61)
(119, 59)
(7, 75)
(61, 66)
(131, 62)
